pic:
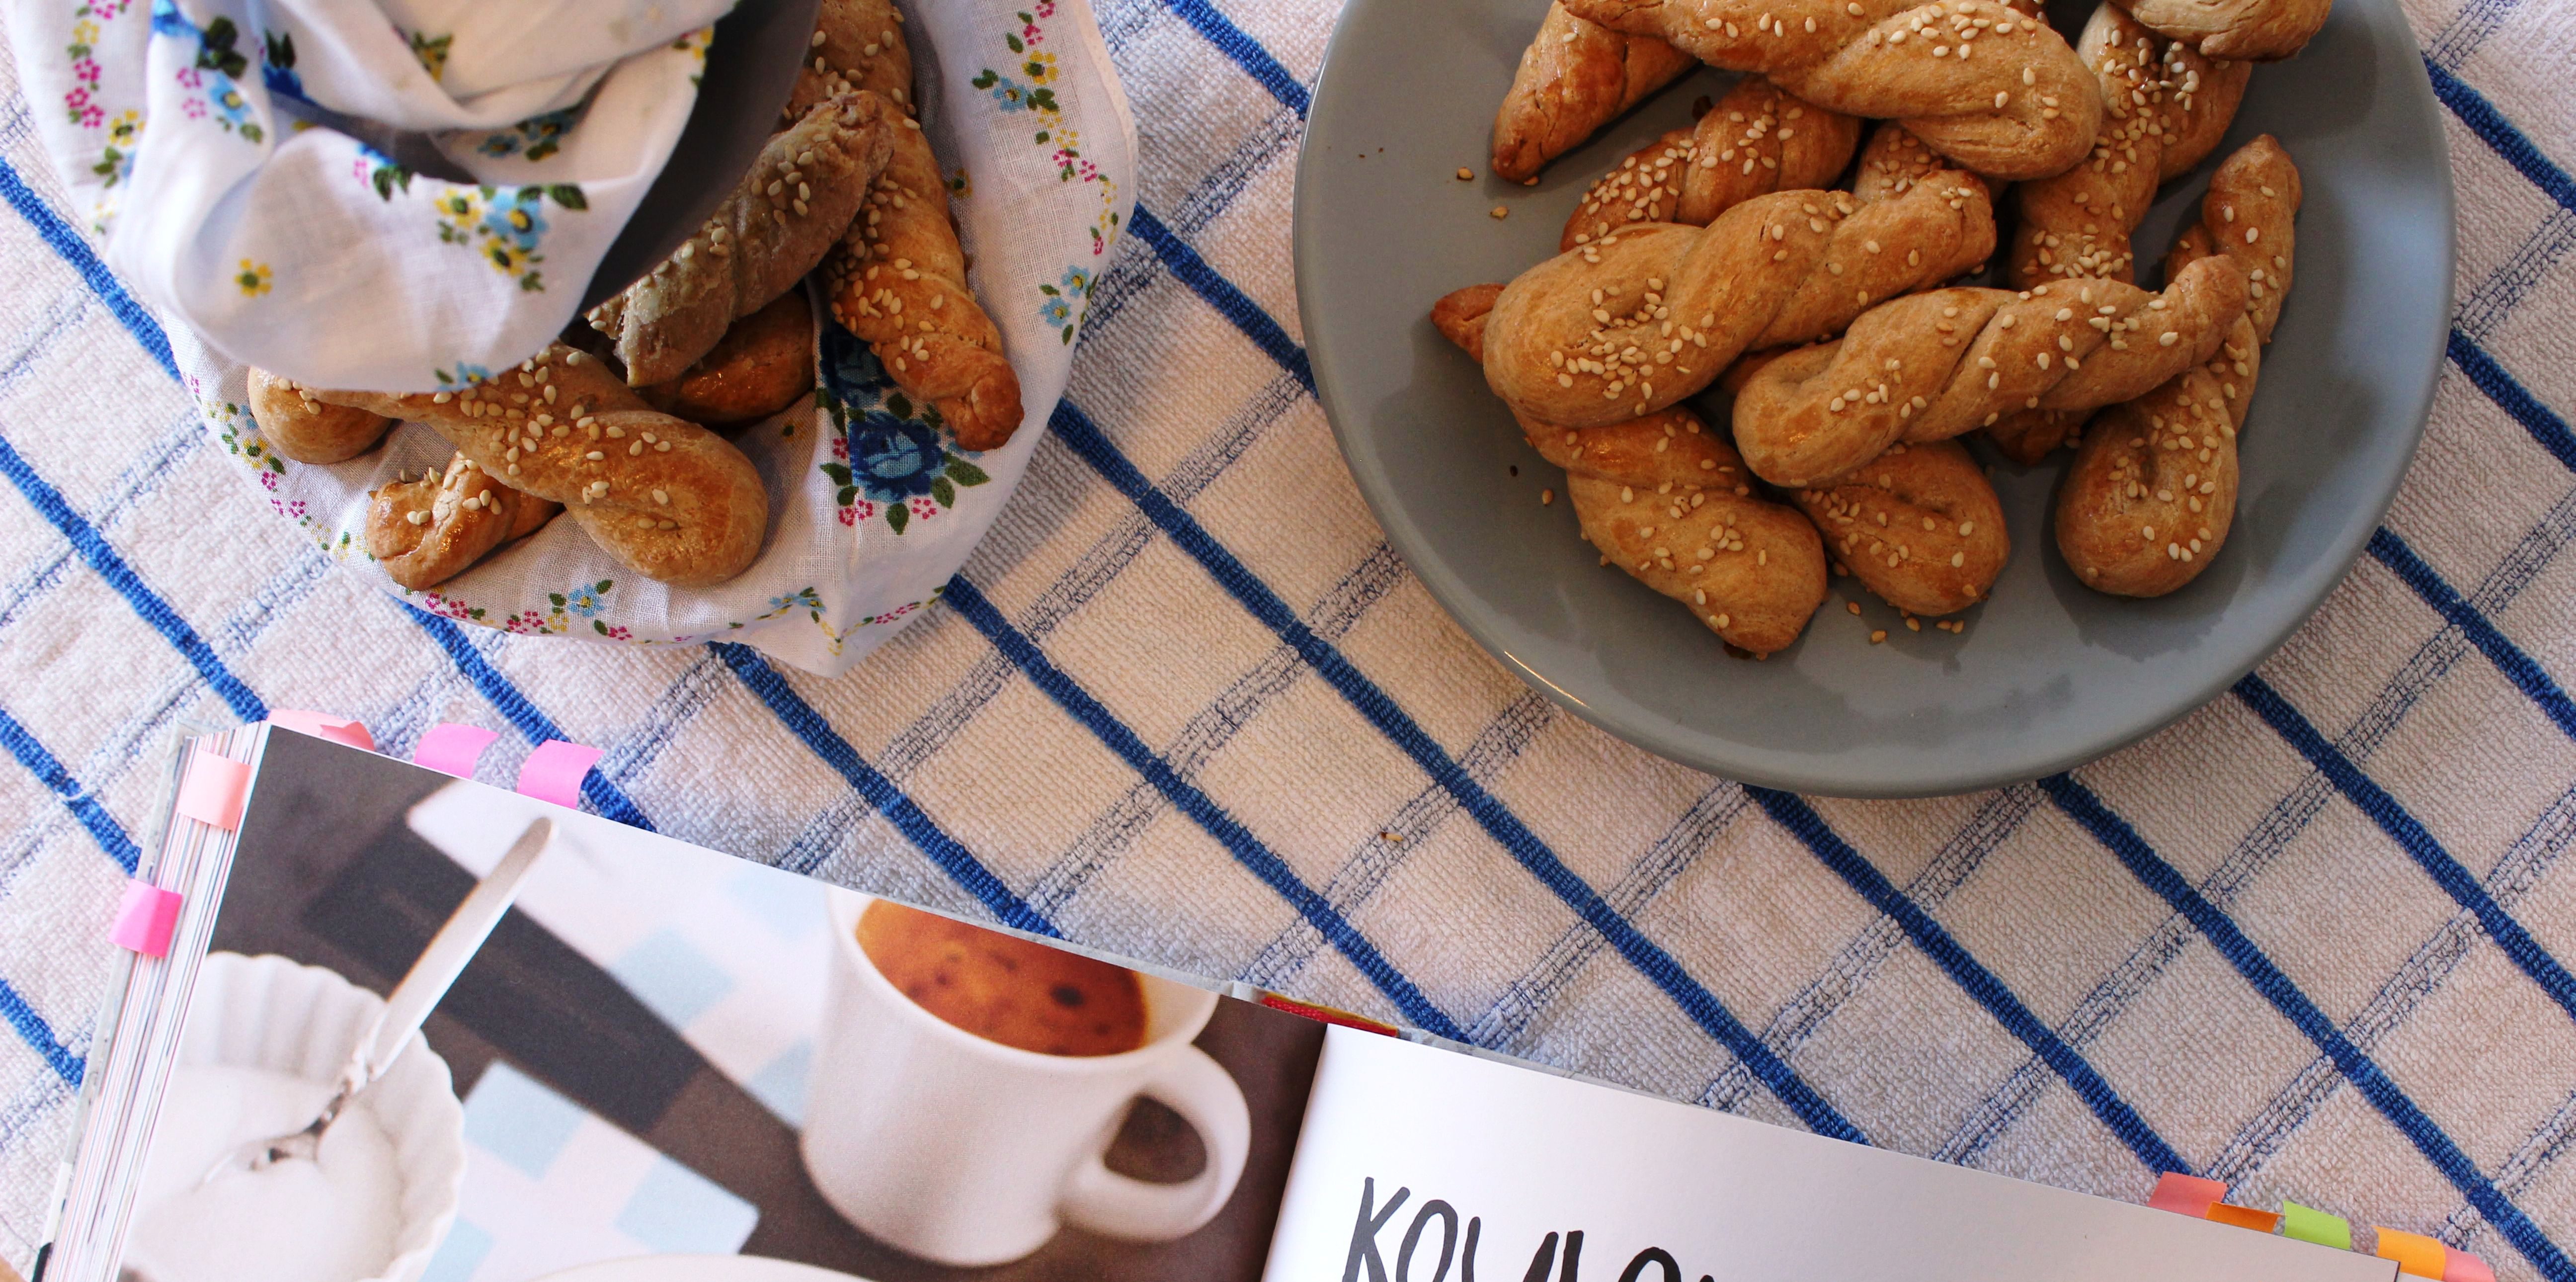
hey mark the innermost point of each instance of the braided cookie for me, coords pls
(898, 280)
(428, 531)
(675, 502)
(858, 44)
(1672, 464)
(2152, 493)
(1919, 526)
(799, 195)
(1932, 366)
(2254, 30)
(1755, 141)
(1892, 161)
(1992, 88)
(306, 430)
(1575, 77)
(2164, 108)
(1636, 321)
(762, 365)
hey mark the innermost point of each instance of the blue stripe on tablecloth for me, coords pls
(2475, 111)
(1221, 294)
(102, 558)
(39, 1034)
(1793, 813)
(1185, 796)
(534, 725)
(1247, 52)
(49, 771)
(93, 272)
(2526, 674)
(605, 796)
(2410, 835)
(2467, 29)
(1086, 440)
(2267, 978)
(908, 818)
(2514, 399)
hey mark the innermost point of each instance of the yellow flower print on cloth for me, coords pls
(254, 278)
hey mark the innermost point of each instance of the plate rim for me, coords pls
(1447, 589)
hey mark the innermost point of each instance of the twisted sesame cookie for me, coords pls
(306, 430)
(858, 44)
(2253, 30)
(1989, 86)
(762, 365)
(799, 196)
(1638, 320)
(1932, 366)
(1755, 141)
(428, 531)
(1892, 161)
(2152, 492)
(2163, 109)
(898, 280)
(1920, 526)
(1671, 463)
(675, 502)
(1575, 77)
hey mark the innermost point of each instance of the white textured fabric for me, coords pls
(196, 139)
(1184, 704)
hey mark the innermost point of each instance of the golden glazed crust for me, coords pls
(1755, 141)
(675, 502)
(1931, 366)
(2256, 30)
(306, 430)
(1637, 321)
(1992, 88)
(428, 531)
(2151, 495)
(799, 196)
(762, 365)
(1575, 77)
(1920, 526)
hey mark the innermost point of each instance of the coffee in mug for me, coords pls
(1003, 988)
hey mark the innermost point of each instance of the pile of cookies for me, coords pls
(1725, 255)
(618, 424)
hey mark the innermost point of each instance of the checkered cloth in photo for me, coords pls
(1185, 704)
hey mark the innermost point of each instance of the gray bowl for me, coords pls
(2048, 674)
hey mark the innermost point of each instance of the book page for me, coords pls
(666, 1063)
(1425, 1166)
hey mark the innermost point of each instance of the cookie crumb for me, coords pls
(1854, 607)
(1502, 211)
(1465, 174)
(1878, 637)
(1546, 497)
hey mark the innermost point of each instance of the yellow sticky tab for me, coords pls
(2308, 1224)
(2415, 1253)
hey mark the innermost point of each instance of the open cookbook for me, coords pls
(637, 1060)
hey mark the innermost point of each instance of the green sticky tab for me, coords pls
(2308, 1224)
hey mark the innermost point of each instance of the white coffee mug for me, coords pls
(969, 1152)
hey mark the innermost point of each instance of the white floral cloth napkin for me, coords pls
(198, 137)
(873, 505)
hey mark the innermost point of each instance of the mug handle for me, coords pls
(1204, 1094)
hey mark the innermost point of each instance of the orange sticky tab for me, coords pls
(2460, 1266)
(211, 793)
(2244, 1217)
(322, 725)
(2186, 1195)
(2414, 1253)
(1327, 1014)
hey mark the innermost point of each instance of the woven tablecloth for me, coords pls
(1186, 704)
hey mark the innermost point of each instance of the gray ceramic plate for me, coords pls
(2048, 674)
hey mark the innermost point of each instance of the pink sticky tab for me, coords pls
(212, 792)
(145, 918)
(322, 725)
(554, 771)
(452, 749)
(2186, 1195)
(2460, 1266)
